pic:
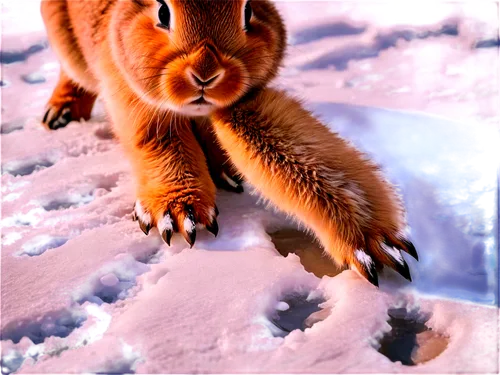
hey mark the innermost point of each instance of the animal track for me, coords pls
(104, 133)
(85, 195)
(123, 364)
(293, 312)
(33, 78)
(488, 43)
(58, 323)
(340, 58)
(12, 126)
(112, 288)
(110, 284)
(41, 244)
(9, 57)
(114, 281)
(64, 204)
(24, 220)
(19, 221)
(27, 167)
(310, 253)
(152, 257)
(410, 341)
(12, 361)
(334, 29)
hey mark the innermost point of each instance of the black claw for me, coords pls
(369, 271)
(145, 227)
(404, 245)
(239, 189)
(213, 228)
(410, 248)
(66, 116)
(216, 211)
(60, 120)
(397, 263)
(190, 237)
(134, 216)
(402, 269)
(52, 124)
(372, 276)
(167, 236)
(46, 116)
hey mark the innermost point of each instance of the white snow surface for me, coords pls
(84, 291)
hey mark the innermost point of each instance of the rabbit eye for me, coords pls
(248, 15)
(164, 16)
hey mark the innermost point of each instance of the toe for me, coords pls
(144, 227)
(189, 226)
(396, 261)
(409, 248)
(166, 227)
(55, 119)
(48, 115)
(365, 266)
(401, 244)
(143, 217)
(213, 227)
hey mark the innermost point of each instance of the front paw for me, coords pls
(379, 251)
(173, 213)
(62, 109)
(230, 181)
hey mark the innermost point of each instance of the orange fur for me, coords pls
(311, 173)
(67, 100)
(164, 85)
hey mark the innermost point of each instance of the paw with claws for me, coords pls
(314, 175)
(68, 103)
(182, 218)
(376, 254)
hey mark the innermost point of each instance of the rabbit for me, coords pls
(186, 84)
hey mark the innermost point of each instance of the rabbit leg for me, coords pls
(173, 185)
(316, 176)
(68, 102)
(222, 170)
(75, 93)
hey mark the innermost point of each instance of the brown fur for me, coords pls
(148, 76)
(311, 173)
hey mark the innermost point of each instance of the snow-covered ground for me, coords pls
(414, 84)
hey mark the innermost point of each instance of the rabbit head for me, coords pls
(195, 56)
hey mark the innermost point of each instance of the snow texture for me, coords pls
(415, 85)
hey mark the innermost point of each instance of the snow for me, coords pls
(84, 290)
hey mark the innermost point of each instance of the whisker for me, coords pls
(153, 76)
(149, 67)
(153, 58)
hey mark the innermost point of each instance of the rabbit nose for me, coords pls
(203, 82)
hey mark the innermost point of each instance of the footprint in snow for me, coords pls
(27, 167)
(297, 312)
(310, 253)
(33, 78)
(411, 341)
